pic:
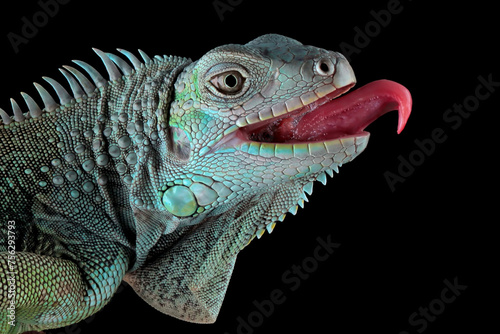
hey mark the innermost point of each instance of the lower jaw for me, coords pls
(337, 151)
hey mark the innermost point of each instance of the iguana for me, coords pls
(162, 173)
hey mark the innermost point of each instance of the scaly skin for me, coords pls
(159, 176)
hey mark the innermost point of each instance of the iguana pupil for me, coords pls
(231, 81)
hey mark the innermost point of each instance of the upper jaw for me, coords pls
(335, 85)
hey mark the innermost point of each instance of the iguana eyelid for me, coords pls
(220, 83)
(216, 75)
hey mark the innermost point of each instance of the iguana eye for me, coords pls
(229, 83)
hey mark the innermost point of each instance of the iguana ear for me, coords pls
(189, 280)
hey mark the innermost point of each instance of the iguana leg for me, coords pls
(52, 292)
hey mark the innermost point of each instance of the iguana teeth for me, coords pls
(122, 64)
(48, 101)
(270, 227)
(322, 178)
(94, 74)
(308, 188)
(34, 109)
(18, 113)
(114, 73)
(5, 117)
(62, 93)
(87, 86)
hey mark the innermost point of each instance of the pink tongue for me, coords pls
(353, 112)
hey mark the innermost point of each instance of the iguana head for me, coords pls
(267, 117)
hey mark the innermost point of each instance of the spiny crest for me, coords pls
(80, 85)
(306, 189)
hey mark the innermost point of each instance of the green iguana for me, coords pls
(160, 175)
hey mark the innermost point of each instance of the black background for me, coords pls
(396, 247)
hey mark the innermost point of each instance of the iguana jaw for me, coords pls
(323, 122)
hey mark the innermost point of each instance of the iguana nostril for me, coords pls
(325, 67)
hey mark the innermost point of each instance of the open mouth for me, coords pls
(325, 120)
(333, 117)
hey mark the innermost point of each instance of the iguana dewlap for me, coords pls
(162, 173)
